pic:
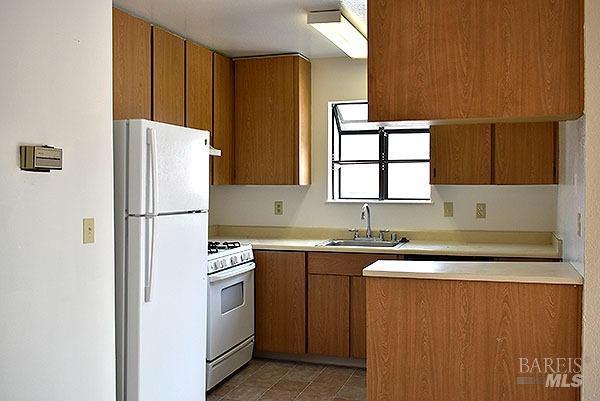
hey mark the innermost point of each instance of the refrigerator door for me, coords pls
(167, 168)
(166, 332)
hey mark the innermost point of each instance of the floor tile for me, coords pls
(352, 393)
(270, 380)
(304, 372)
(245, 393)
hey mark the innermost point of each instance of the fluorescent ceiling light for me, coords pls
(340, 31)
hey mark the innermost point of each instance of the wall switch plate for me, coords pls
(448, 209)
(278, 208)
(579, 224)
(480, 211)
(89, 231)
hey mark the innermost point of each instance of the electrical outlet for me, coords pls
(448, 209)
(480, 211)
(89, 231)
(579, 224)
(278, 208)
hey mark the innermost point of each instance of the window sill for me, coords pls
(378, 202)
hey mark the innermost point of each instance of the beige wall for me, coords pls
(56, 294)
(508, 207)
(591, 310)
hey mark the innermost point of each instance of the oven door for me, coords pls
(230, 309)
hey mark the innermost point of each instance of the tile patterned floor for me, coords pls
(266, 380)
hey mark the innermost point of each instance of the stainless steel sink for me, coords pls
(362, 243)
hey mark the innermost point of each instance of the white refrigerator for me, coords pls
(161, 234)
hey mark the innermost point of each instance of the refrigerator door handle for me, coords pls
(151, 142)
(150, 262)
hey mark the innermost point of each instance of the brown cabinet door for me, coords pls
(168, 89)
(223, 120)
(131, 67)
(272, 121)
(461, 154)
(440, 59)
(526, 153)
(280, 302)
(329, 315)
(198, 87)
(358, 317)
(462, 340)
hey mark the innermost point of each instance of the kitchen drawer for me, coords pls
(343, 264)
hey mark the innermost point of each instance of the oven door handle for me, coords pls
(231, 272)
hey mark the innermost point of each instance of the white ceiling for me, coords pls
(248, 27)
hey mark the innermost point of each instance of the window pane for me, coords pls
(408, 181)
(359, 181)
(353, 112)
(359, 147)
(408, 146)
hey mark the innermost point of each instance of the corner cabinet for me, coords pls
(450, 60)
(272, 120)
(131, 67)
(526, 153)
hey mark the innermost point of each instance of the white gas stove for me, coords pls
(225, 255)
(230, 339)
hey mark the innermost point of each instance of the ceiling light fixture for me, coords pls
(334, 26)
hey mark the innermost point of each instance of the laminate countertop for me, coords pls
(517, 272)
(543, 251)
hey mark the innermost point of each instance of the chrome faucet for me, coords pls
(366, 210)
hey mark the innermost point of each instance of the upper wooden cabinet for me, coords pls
(440, 60)
(526, 153)
(272, 120)
(168, 78)
(131, 67)
(502, 154)
(198, 87)
(461, 154)
(223, 166)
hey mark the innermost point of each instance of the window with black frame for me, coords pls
(376, 161)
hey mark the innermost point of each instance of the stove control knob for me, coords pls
(243, 257)
(219, 263)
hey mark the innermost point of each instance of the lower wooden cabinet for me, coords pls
(328, 315)
(280, 302)
(434, 340)
(358, 317)
(337, 303)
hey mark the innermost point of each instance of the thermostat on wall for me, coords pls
(41, 158)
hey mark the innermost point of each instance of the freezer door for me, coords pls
(165, 349)
(167, 168)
